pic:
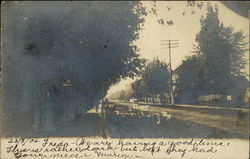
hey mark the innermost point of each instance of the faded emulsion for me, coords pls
(60, 60)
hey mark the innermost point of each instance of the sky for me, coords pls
(186, 24)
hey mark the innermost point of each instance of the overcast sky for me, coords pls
(186, 26)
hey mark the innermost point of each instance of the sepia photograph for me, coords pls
(125, 69)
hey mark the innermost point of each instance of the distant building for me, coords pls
(239, 94)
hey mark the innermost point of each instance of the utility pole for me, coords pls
(170, 44)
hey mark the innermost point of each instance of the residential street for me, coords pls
(186, 122)
(130, 120)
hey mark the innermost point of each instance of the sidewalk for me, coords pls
(102, 124)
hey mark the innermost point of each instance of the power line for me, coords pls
(170, 44)
(169, 40)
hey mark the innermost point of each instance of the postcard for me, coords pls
(125, 79)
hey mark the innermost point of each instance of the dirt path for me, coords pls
(233, 122)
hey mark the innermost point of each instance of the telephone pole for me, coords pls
(170, 44)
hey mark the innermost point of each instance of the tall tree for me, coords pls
(155, 78)
(218, 60)
(71, 55)
(221, 50)
(188, 82)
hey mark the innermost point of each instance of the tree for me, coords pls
(71, 55)
(137, 90)
(218, 60)
(188, 82)
(155, 79)
(221, 50)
